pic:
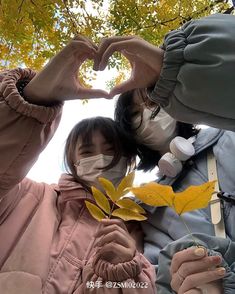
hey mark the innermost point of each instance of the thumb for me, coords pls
(194, 291)
(92, 93)
(123, 87)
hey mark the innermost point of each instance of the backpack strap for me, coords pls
(215, 203)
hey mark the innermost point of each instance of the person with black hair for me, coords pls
(191, 76)
(185, 155)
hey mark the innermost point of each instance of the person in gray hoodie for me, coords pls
(191, 76)
(156, 135)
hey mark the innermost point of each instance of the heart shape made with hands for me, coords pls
(137, 76)
(145, 60)
(60, 77)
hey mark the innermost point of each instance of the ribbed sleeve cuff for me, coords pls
(10, 94)
(117, 272)
(174, 45)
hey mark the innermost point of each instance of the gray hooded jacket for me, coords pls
(164, 226)
(196, 84)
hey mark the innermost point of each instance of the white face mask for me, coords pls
(91, 168)
(155, 133)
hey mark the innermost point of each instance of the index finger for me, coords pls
(108, 222)
(123, 87)
(85, 39)
(105, 43)
(92, 94)
(189, 254)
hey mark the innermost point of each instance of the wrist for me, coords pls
(30, 94)
(34, 95)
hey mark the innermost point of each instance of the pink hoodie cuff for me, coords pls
(10, 94)
(117, 272)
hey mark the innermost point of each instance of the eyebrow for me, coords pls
(89, 145)
(83, 146)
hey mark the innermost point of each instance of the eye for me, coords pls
(109, 150)
(85, 152)
(134, 113)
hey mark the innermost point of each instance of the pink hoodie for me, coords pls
(46, 232)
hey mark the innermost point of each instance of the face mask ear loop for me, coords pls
(77, 163)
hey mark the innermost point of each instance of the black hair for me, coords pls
(112, 133)
(123, 116)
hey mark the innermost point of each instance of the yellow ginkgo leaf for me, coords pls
(126, 182)
(154, 194)
(194, 197)
(101, 200)
(127, 214)
(95, 211)
(109, 188)
(130, 204)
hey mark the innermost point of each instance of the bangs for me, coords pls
(107, 128)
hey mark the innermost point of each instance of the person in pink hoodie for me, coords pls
(50, 244)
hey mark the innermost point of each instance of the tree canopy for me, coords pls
(31, 31)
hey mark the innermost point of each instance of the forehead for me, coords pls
(95, 138)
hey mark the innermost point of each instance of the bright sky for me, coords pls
(49, 166)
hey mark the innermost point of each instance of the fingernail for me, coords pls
(220, 271)
(199, 252)
(216, 258)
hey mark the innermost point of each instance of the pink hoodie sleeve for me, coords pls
(135, 276)
(25, 129)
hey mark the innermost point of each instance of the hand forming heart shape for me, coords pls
(59, 79)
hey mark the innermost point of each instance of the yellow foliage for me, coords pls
(33, 31)
(129, 210)
(154, 194)
(109, 188)
(194, 197)
(127, 214)
(101, 200)
(130, 204)
(95, 211)
(125, 183)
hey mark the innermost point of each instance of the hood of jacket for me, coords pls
(69, 189)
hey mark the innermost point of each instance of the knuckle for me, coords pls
(111, 246)
(103, 41)
(184, 270)
(116, 227)
(73, 45)
(189, 282)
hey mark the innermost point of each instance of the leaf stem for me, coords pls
(189, 231)
(111, 210)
